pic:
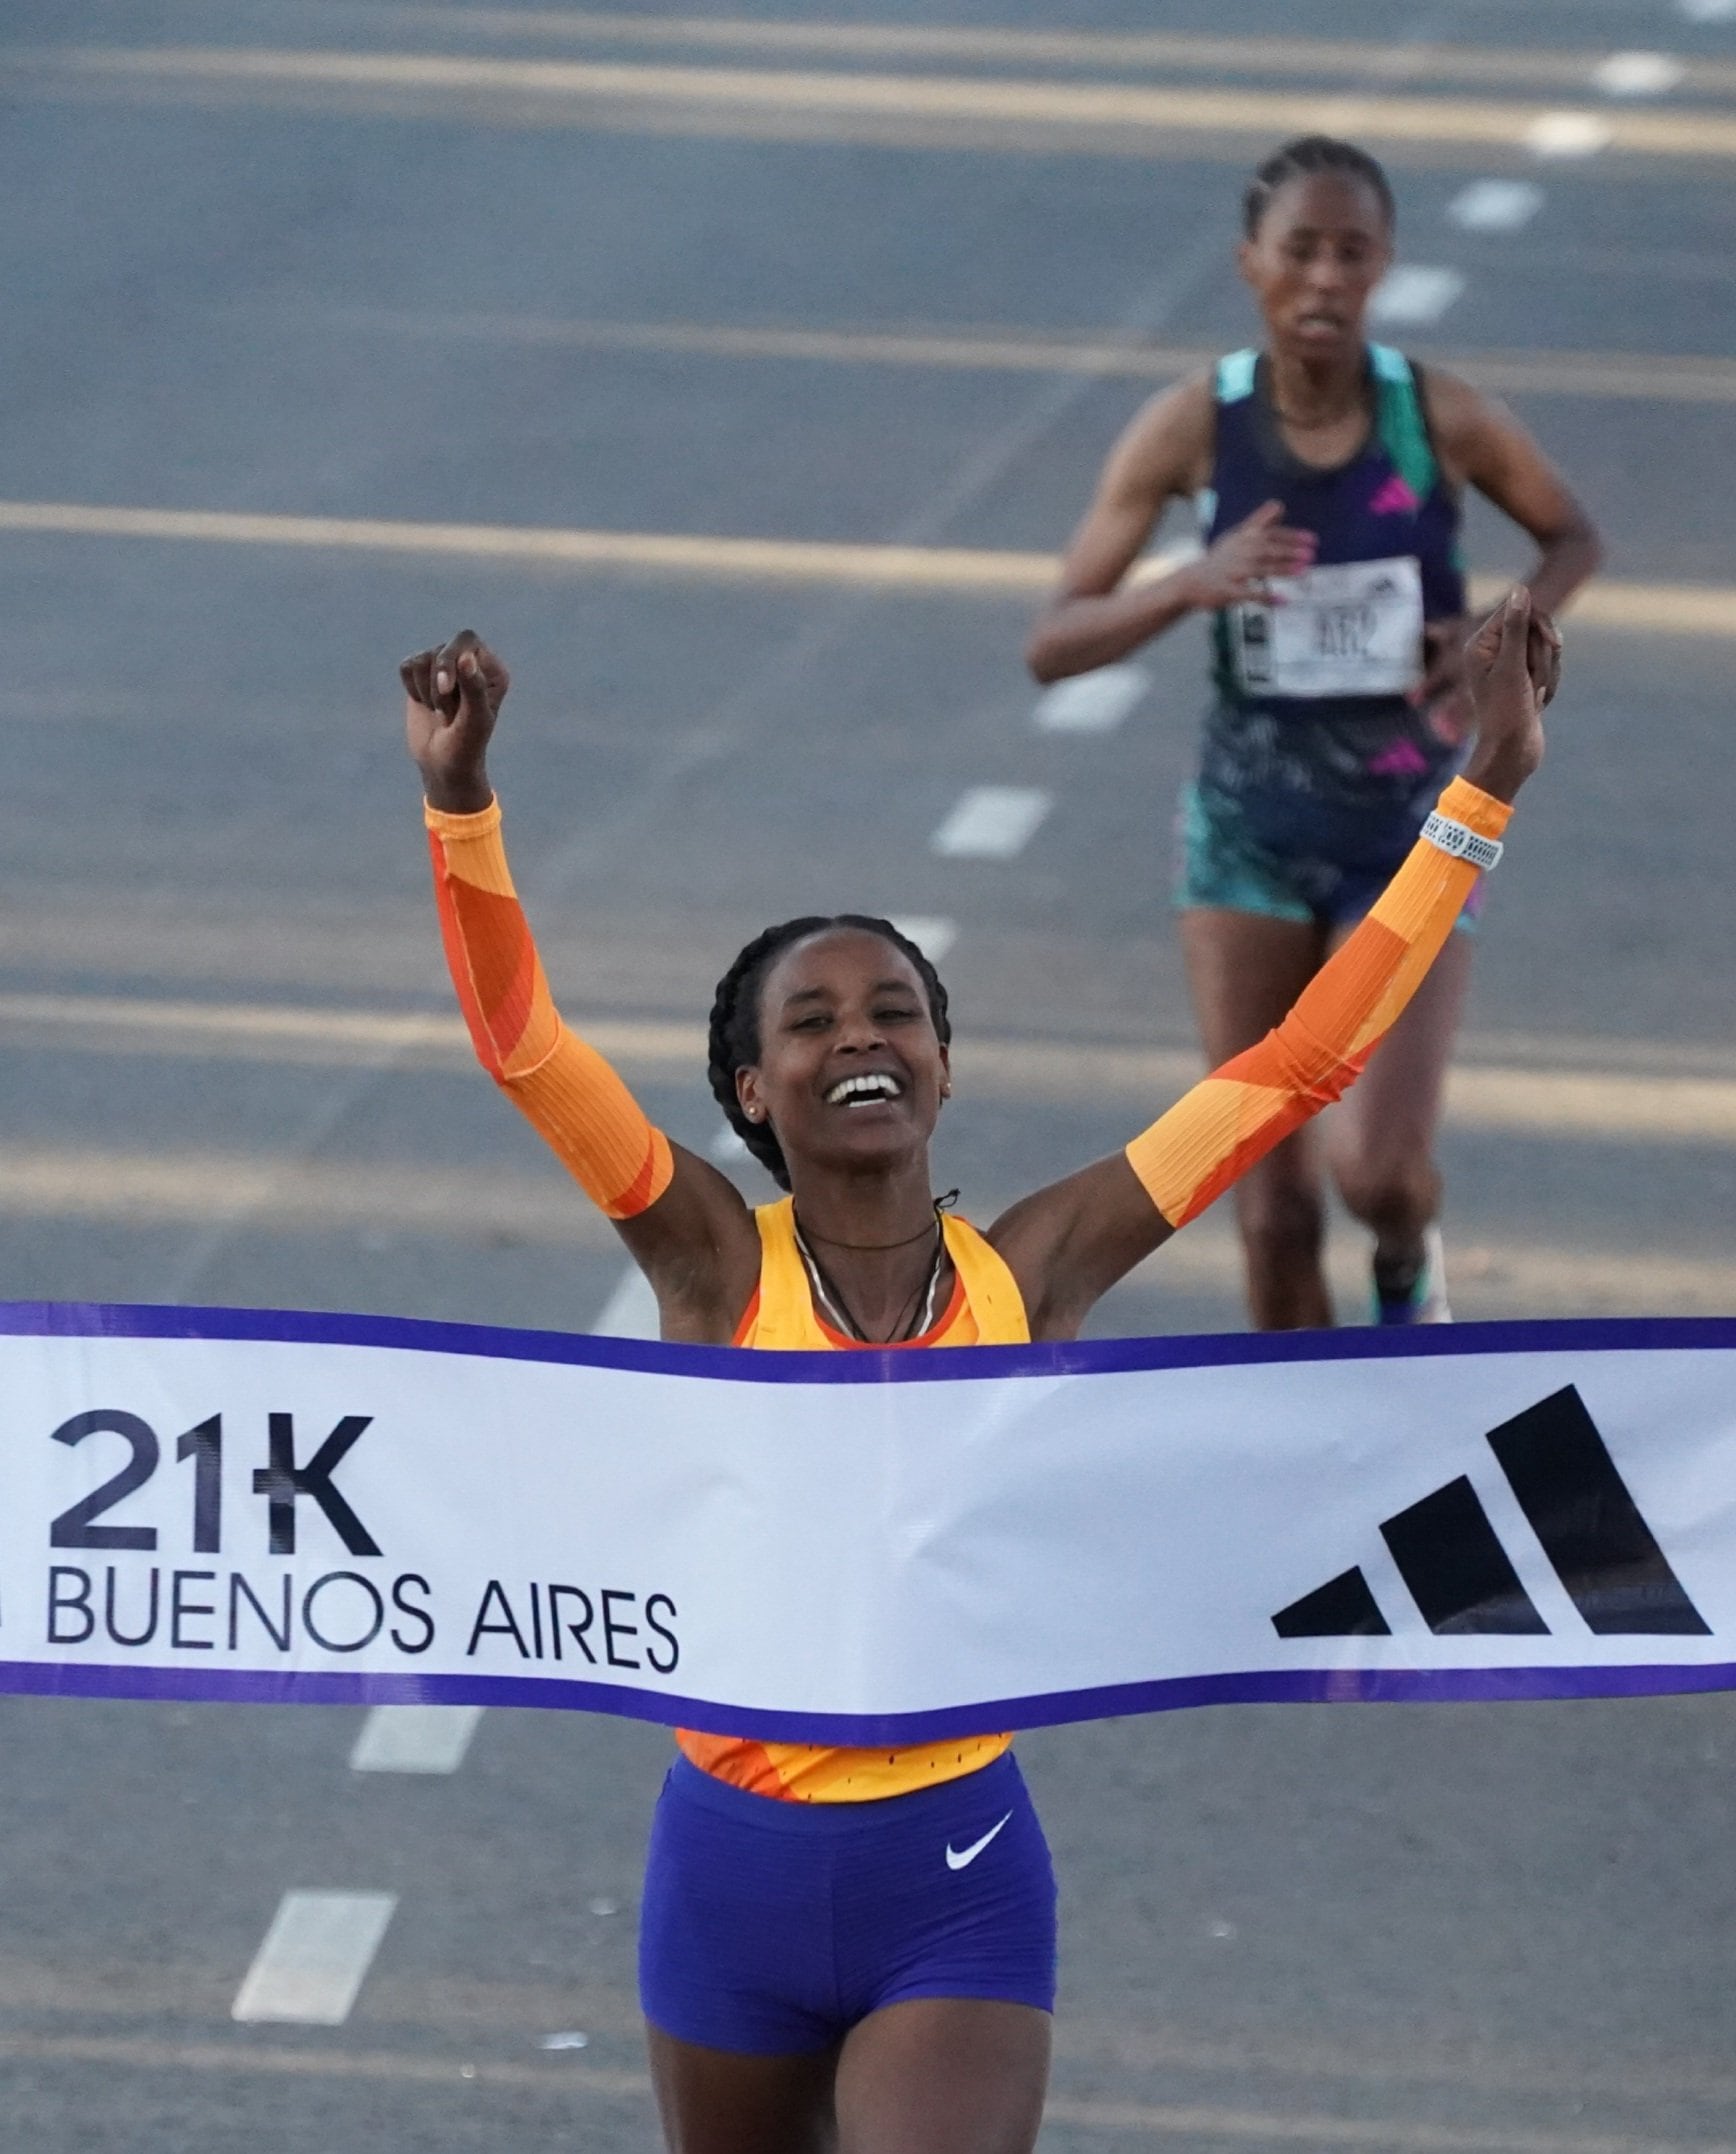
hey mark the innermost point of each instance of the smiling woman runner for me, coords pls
(1328, 474)
(845, 1945)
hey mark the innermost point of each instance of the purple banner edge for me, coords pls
(1272, 1686)
(1084, 1357)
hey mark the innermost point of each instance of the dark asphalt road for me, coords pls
(359, 291)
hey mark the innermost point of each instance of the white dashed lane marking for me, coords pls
(991, 822)
(1415, 292)
(1708, 10)
(415, 1738)
(630, 1311)
(1495, 205)
(315, 1958)
(727, 1149)
(1093, 702)
(1567, 134)
(1638, 74)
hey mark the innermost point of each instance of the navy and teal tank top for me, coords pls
(1311, 735)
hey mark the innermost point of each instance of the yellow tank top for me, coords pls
(986, 1309)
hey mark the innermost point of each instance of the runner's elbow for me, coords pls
(1046, 651)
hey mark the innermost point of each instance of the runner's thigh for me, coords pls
(714, 2102)
(944, 2075)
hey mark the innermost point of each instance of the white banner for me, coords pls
(866, 1547)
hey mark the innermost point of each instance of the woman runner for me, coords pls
(843, 1948)
(1328, 474)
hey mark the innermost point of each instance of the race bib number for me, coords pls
(1355, 629)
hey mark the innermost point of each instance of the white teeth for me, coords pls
(880, 1085)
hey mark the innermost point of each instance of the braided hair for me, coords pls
(735, 1018)
(1304, 157)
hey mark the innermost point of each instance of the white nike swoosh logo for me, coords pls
(960, 1858)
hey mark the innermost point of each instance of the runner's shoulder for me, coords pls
(1458, 412)
(1171, 436)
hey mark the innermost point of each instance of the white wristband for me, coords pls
(1461, 842)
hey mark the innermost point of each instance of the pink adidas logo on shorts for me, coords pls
(1404, 759)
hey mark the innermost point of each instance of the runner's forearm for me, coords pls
(1563, 564)
(1077, 635)
(573, 1099)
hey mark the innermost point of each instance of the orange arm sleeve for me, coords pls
(1215, 1133)
(569, 1094)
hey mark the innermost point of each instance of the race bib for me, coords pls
(1355, 629)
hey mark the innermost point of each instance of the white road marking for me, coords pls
(1414, 292)
(630, 1311)
(1708, 10)
(1638, 74)
(315, 1957)
(415, 1738)
(1092, 702)
(991, 822)
(1567, 134)
(727, 1149)
(931, 935)
(1495, 205)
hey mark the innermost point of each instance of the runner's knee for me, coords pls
(1393, 1196)
(1283, 1226)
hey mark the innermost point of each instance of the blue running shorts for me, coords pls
(1222, 864)
(770, 1928)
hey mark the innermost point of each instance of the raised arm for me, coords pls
(685, 1223)
(1068, 1244)
(1094, 617)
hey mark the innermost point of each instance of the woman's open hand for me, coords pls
(453, 698)
(1241, 563)
(1512, 670)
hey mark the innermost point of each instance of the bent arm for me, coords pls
(1485, 444)
(684, 1223)
(1070, 1243)
(1092, 620)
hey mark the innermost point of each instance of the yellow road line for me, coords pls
(567, 2083)
(1641, 377)
(960, 571)
(1087, 108)
(1265, 2128)
(1612, 1106)
(1671, 609)
(186, 1186)
(332, 1036)
(1500, 67)
(946, 568)
(563, 2082)
(182, 1998)
(193, 1187)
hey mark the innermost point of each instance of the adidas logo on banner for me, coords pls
(1463, 1580)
